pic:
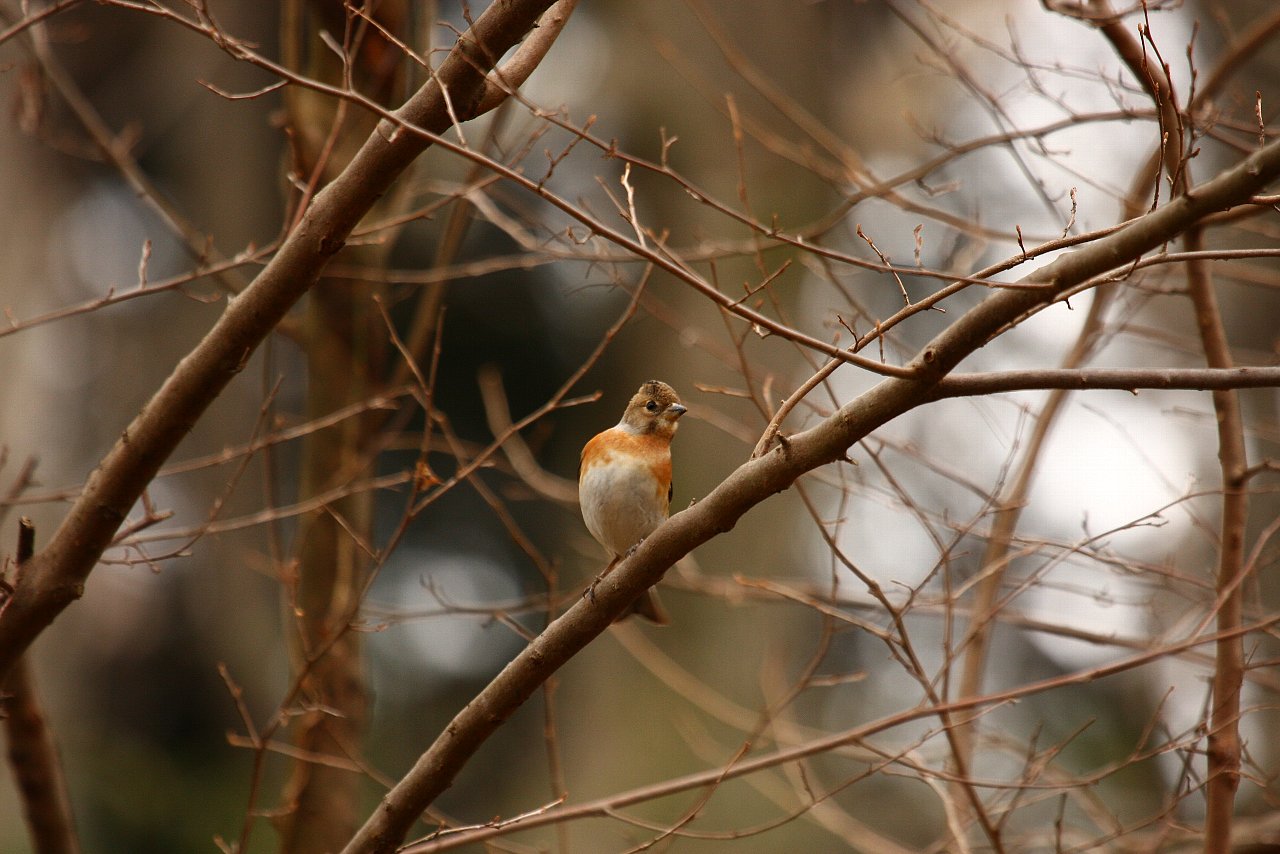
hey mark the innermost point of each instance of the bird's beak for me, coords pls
(677, 410)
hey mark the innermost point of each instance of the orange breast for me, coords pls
(618, 447)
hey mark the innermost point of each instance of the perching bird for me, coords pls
(624, 484)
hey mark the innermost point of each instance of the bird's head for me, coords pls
(654, 409)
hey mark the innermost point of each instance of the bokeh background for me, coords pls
(1118, 539)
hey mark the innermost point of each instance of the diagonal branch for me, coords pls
(56, 575)
(775, 471)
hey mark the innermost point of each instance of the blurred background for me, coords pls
(785, 114)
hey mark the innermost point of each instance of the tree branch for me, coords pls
(56, 575)
(758, 479)
(609, 805)
(33, 755)
(1225, 747)
(1121, 379)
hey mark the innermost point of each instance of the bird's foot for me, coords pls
(590, 592)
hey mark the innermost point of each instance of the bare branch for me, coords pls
(33, 756)
(824, 744)
(1225, 745)
(1122, 379)
(775, 471)
(57, 574)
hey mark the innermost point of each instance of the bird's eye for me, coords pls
(652, 406)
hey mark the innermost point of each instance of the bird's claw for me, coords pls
(590, 592)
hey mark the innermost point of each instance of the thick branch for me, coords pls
(774, 472)
(57, 574)
(515, 71)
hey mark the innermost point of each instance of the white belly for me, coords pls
(624, 508)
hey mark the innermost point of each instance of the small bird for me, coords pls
(624, 484)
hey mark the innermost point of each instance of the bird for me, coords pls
(624, 482)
